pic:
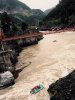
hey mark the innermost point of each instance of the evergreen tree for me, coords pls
(24, 26)
(63, 11)
(5, 23)
(14, 28)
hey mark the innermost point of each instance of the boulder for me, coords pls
(64, 88)
(6, 79)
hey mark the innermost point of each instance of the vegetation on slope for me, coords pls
(12, 4)
(21, 11)
(62, 15)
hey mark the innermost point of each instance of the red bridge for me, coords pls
(5, 39)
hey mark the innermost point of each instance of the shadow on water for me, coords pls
(16, 74)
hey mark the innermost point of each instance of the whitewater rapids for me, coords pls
(52, 58)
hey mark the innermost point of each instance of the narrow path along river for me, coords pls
(52, 58)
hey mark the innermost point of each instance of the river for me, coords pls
(43, 63)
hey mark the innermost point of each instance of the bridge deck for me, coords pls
(21, 37)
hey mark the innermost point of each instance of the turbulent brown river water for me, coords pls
(52, 58)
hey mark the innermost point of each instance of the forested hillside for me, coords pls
(62, 15)
(21, 11)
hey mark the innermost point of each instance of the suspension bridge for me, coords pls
(5, 39)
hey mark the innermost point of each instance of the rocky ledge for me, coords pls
(6, 79)
(64, 88)
(8, 59)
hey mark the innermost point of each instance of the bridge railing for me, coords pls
(21, 37)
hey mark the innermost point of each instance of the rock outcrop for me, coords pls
(6, 79)
(64, 88)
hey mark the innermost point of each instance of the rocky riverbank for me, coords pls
(9, 59)
(45, 63)
(64, 88)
